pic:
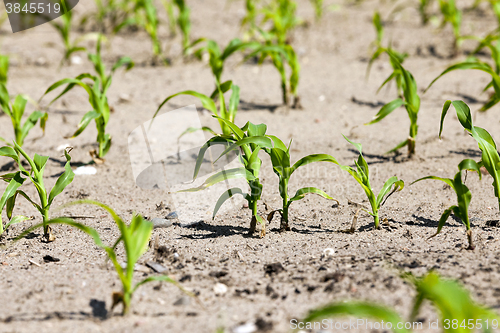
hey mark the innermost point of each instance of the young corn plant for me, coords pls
(225, 111)
(35, 175)
(489, 154)
(282, 167)
(492, 43)
(410, 100)
(64, 29)
(395, 61)
(318, 8)
(15, 109)
(250, 139)
(218, 57)
(461, 210)
(456, 308)
(146, 17)
(453, 16)
(184, 23)
(282, 15)
(135, 238)
(361, 175)
(280, 54)
(97, 90)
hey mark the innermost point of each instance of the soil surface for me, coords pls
(73, 294)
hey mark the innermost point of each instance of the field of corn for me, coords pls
(344, 212)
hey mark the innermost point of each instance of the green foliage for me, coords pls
(35, 175)
(64, 29)
(423, 9)
(410, 100)
(492, 43)
(135, 238)
(251, 139)
(15, 109)
(489, 154)
(97, 90)
(361, 175)
(452, 15)
(454, 304)
(225, 111)
(461, 210)
(282, 167)
(217, 57)
(449, 297)
(184, 23)
(145, 16)
(318, 8)
(282, 15)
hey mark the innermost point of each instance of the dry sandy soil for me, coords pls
(74, 294)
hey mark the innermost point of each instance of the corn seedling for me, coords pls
(184, 23)
(97, 90)
(461, 210)
(135, 238)
(217, 57)
(251, 139)
(458, 312)
(423, 9)
(453, 16)
(64, 29)
(250, 18)
(396, 60)
(318, 8)
(225, 111)
(410, 100)
(146, 17)
(281, 54)
(493, 44)
(15, 109)
(281, 13)
(282, 167)
(35, 175)
(489, 154)
(361, 175)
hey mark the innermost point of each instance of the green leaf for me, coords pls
(87, 118)
(313, 158)
(10, 152)
(225, 196)
(262, 141)
(216, 140)
(358, 309)
(16, 219)
(222, 176)
(40, 162)
(386, 110)
(307, 190)
(398, 186)
(31, 122)
(11, 190)
(64, 180)
(206, 101)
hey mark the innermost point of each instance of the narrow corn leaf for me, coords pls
(64, 180)
(398, 186)
(15, 220)
(216, 140)
(40, 162)
(386, 110)
(453, 302)
(313, 158)
(261, 141)
(32, 120)
(225, 196)
(162, 278)
(11, 153)
(87, 118)
(235, 129)
(310, 190)
(222, 176)
(11, 189)
(206, 101)
(358, 309)
(446, 180)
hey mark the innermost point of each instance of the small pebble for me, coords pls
(329, 252)
(245, 328)
(172, 215)
(161, 223)
(85, 170)
(184, 300)
(220, 289)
